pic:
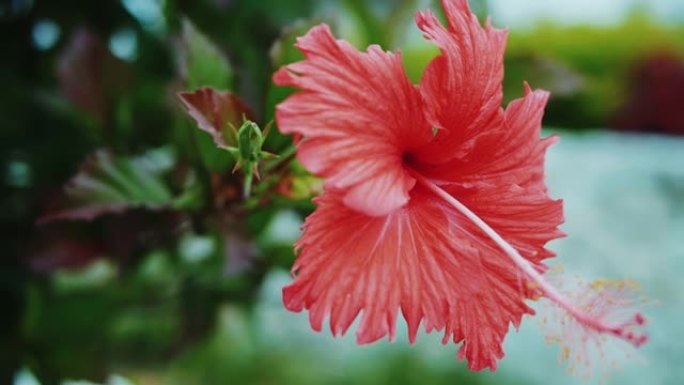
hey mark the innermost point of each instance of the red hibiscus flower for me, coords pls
(434, 203)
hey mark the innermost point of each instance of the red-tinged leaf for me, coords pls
(89, 76)
(107, 184)
(123, 238)
(64, 253)
(214, 111)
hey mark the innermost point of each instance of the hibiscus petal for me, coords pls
(510, 153)
(502, 179)
(359, 114)
(426, 260)
(461, 87)
(522, 211)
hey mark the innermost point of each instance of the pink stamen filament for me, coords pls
(549, 291)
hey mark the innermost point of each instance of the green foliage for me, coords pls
(386, 29)
(235, 353)
(204, 65)
(203, 62)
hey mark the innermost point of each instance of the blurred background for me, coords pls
(129, 257)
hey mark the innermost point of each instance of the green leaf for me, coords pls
(369, 21)
(202, 63)
(108, 184)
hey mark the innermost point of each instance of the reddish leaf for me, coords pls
(121, 238)
(64, 253)
(89, 76)
(214, 111)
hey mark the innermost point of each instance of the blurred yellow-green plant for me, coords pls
(587, 68)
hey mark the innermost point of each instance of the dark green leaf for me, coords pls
(203, 64)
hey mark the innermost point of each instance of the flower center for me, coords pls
(408, 160)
